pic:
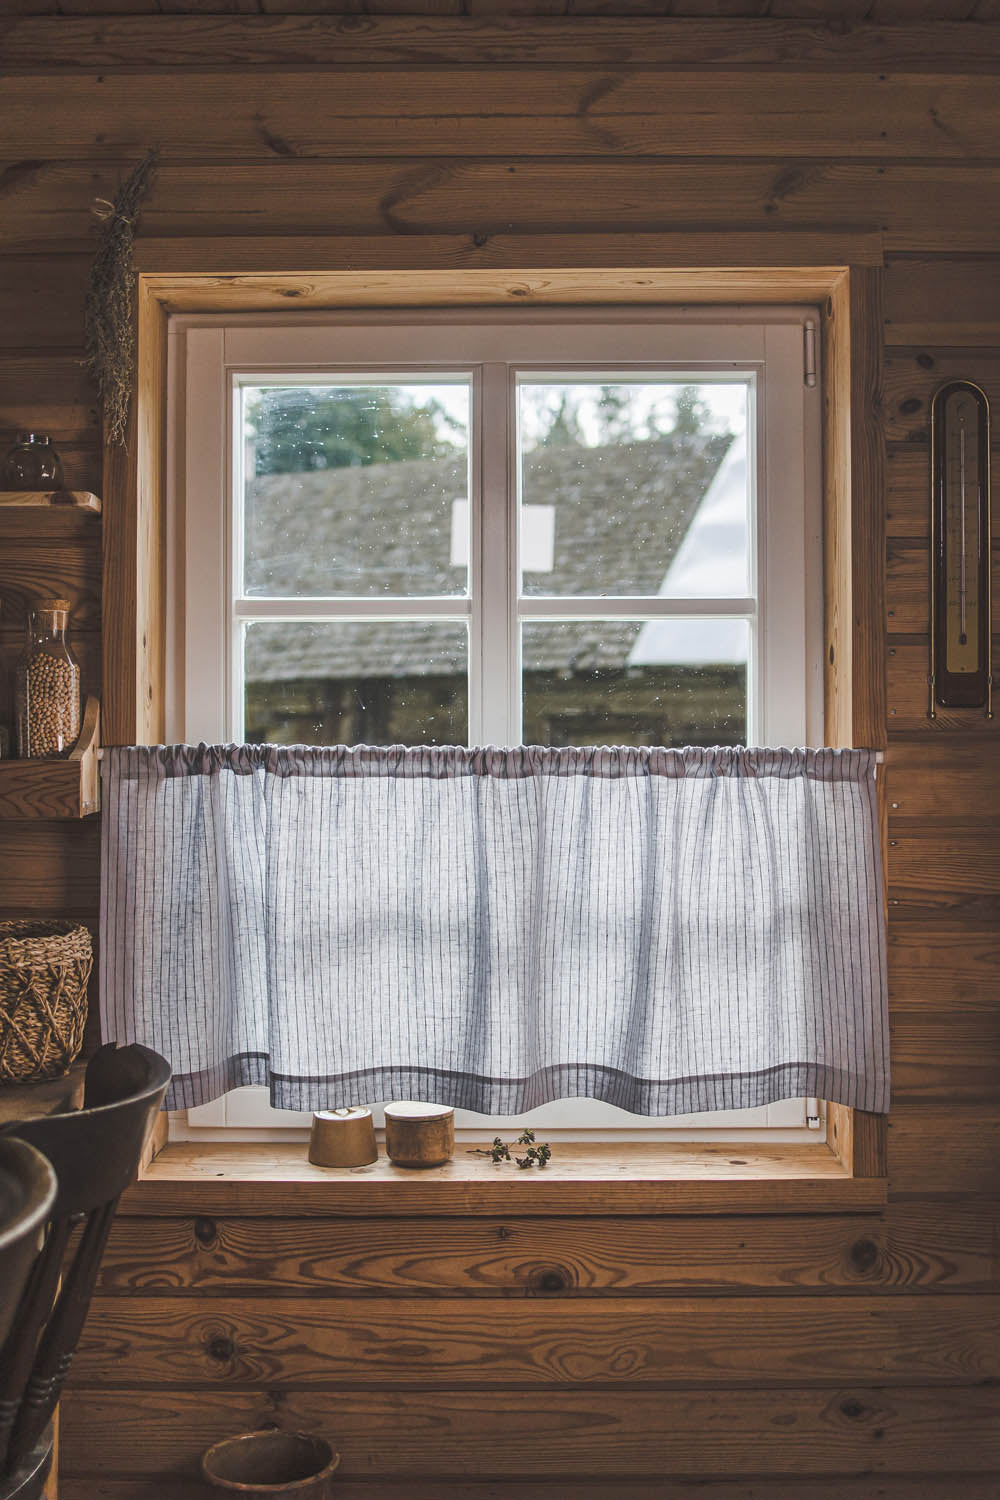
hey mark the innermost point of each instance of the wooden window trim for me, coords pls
(190, 275)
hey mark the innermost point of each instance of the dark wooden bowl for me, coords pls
(297, 1464)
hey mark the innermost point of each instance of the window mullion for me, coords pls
(586, 607)
(494, 641)
(419, 607)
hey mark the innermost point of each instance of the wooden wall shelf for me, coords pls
(67, 788)
(54, 1096)
(49, 500)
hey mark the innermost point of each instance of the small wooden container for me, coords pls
(261, 1464)
(419, 1135)
(343, 1138)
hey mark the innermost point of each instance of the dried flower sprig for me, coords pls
(535, 1156)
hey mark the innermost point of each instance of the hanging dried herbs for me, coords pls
(110, 306)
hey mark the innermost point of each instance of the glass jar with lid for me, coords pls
(32, 464)
(47, 695)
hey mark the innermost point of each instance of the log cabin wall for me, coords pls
(793, 1358)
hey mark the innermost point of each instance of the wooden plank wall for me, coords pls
(800, 1358)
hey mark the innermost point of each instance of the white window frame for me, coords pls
(210, 356)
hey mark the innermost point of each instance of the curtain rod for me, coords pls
(879, 755)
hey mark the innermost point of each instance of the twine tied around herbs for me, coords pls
(109, 312)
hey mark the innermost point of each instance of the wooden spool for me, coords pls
(419, 1135)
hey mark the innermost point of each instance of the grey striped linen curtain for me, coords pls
(667, 930)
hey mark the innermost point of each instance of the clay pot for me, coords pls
(295, 1464)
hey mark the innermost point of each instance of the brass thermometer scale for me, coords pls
(961, 649)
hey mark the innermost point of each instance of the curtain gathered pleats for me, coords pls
(666, 930)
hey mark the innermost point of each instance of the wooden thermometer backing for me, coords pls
(961, 668)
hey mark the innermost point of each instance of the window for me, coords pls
(593, 527)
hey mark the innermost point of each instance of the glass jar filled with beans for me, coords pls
(47, 694)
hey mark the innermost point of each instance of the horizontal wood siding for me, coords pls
(870, 1487)
(911, 1249)
(773, 1356)
(504, 1434)
(429, 1344)
(504, 112)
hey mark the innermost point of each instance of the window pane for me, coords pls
(617, 682)
(634, 488)
(377, 683)
(355, 490)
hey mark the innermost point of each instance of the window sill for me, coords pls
(268, 1179)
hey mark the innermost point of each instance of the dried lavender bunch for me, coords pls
(109, 311)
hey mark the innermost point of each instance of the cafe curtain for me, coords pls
(666, 930)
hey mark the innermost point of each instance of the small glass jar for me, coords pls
(47, 695)
(32, 464)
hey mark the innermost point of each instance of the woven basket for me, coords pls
(44, 968)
